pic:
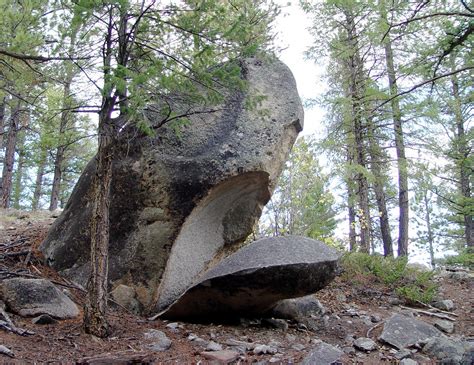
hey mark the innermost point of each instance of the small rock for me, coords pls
(221, 357)
(349, 350)
(276, 323)
(447, 350)
(367, 320)
(408, 362)
(43, 319)
(445, 305)
(289, 337)
(274, 360)
(375, 318)
(402, 354)
(125, 296)
(6, 351)
(161, 341)
(173, 326)
(264, 349)
(365, 344)
(445, 326)
(213, 346)
(200, 342)
(192, 337)
(394, 301)
(323, 354)
(298, 347)
(298, 308)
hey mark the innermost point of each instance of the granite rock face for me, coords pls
(253, 279)
(32, 297)
(178, 204)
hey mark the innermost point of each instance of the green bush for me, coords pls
(465, 259)
(409, 283)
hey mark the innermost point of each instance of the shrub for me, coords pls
(411, 284)
(465, 259)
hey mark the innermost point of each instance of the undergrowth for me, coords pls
(411, 284)
(465, 259)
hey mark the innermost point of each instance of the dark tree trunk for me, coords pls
(380, 196)
(463, 165)
(351, 202)
(39, 181)
(19, 171)
(9, 160)
(402, 166)
(429, 228)
(3, 104)
(95, 311)
(357, 81)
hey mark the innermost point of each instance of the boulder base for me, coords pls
(252, 280)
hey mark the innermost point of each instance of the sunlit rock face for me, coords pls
(180, 204)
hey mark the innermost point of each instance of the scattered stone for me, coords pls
(448, 351)
(192, 337)
(445, 326)
(402, 354)
(200, 342)
(298, 308)
(408, 362)
(401, 331)
(276, 323)
(173, 326)
(31, 297)
(445, 305)
(264, 349)
(367, 320)
(290, 338)
(365, 344)
(394, 301)
(213, 346)
(298, 347)
(6, 351)
(221, 357)
(323, 354)
(254, 278)
(274, 360)
(375, 318)
(349, 350)
(125, 296)
(161, 342)
(43, 319)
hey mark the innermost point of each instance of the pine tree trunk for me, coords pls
(39, 181)
(402, 166)
(95, 311)
(463, 165)
(430, 230)
(375, 157)
(9, 160)
(350, 204)
(58, 169)
(19, 171)
(3, 104)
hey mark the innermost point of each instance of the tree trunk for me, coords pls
(9, 160)
(58, 169)
(95, 311)
(402, 166)
(357, 81)
(350, 204)
(429, 228)
(375, 157)
(3, 104)
(19, 171)
(463, 165)
(39, 180)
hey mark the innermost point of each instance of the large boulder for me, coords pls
(31, 297)
(252, 280)
(179, 203)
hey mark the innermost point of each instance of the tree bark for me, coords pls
(3, 104)
(19, 171)
(39, 180)
(95, 311)
(357, 81)
(463, 165)
(402, 166)
(429, 229)
(380, 196)
(9, 160)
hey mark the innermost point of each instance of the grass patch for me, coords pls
(413, 285)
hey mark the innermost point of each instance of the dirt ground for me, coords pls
(347, 304)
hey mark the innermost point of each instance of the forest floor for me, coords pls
(347, 303)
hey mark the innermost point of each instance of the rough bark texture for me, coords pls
(399, 146)
(39, 180)
(463, 165)
(380, 196)
(9, 160)
(355, 69)
(351, 205)
(95, 321)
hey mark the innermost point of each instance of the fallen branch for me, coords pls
(7, 324)
(14, 254)
(430, 313)
(436, 309)
(6, 351)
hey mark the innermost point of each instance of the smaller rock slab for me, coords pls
(160, 343)
(221, 357)
(32, 297)
(401, 331)
(323, 354)
(298, 308)
(450, 351)
(253, 279)
(365, 344)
